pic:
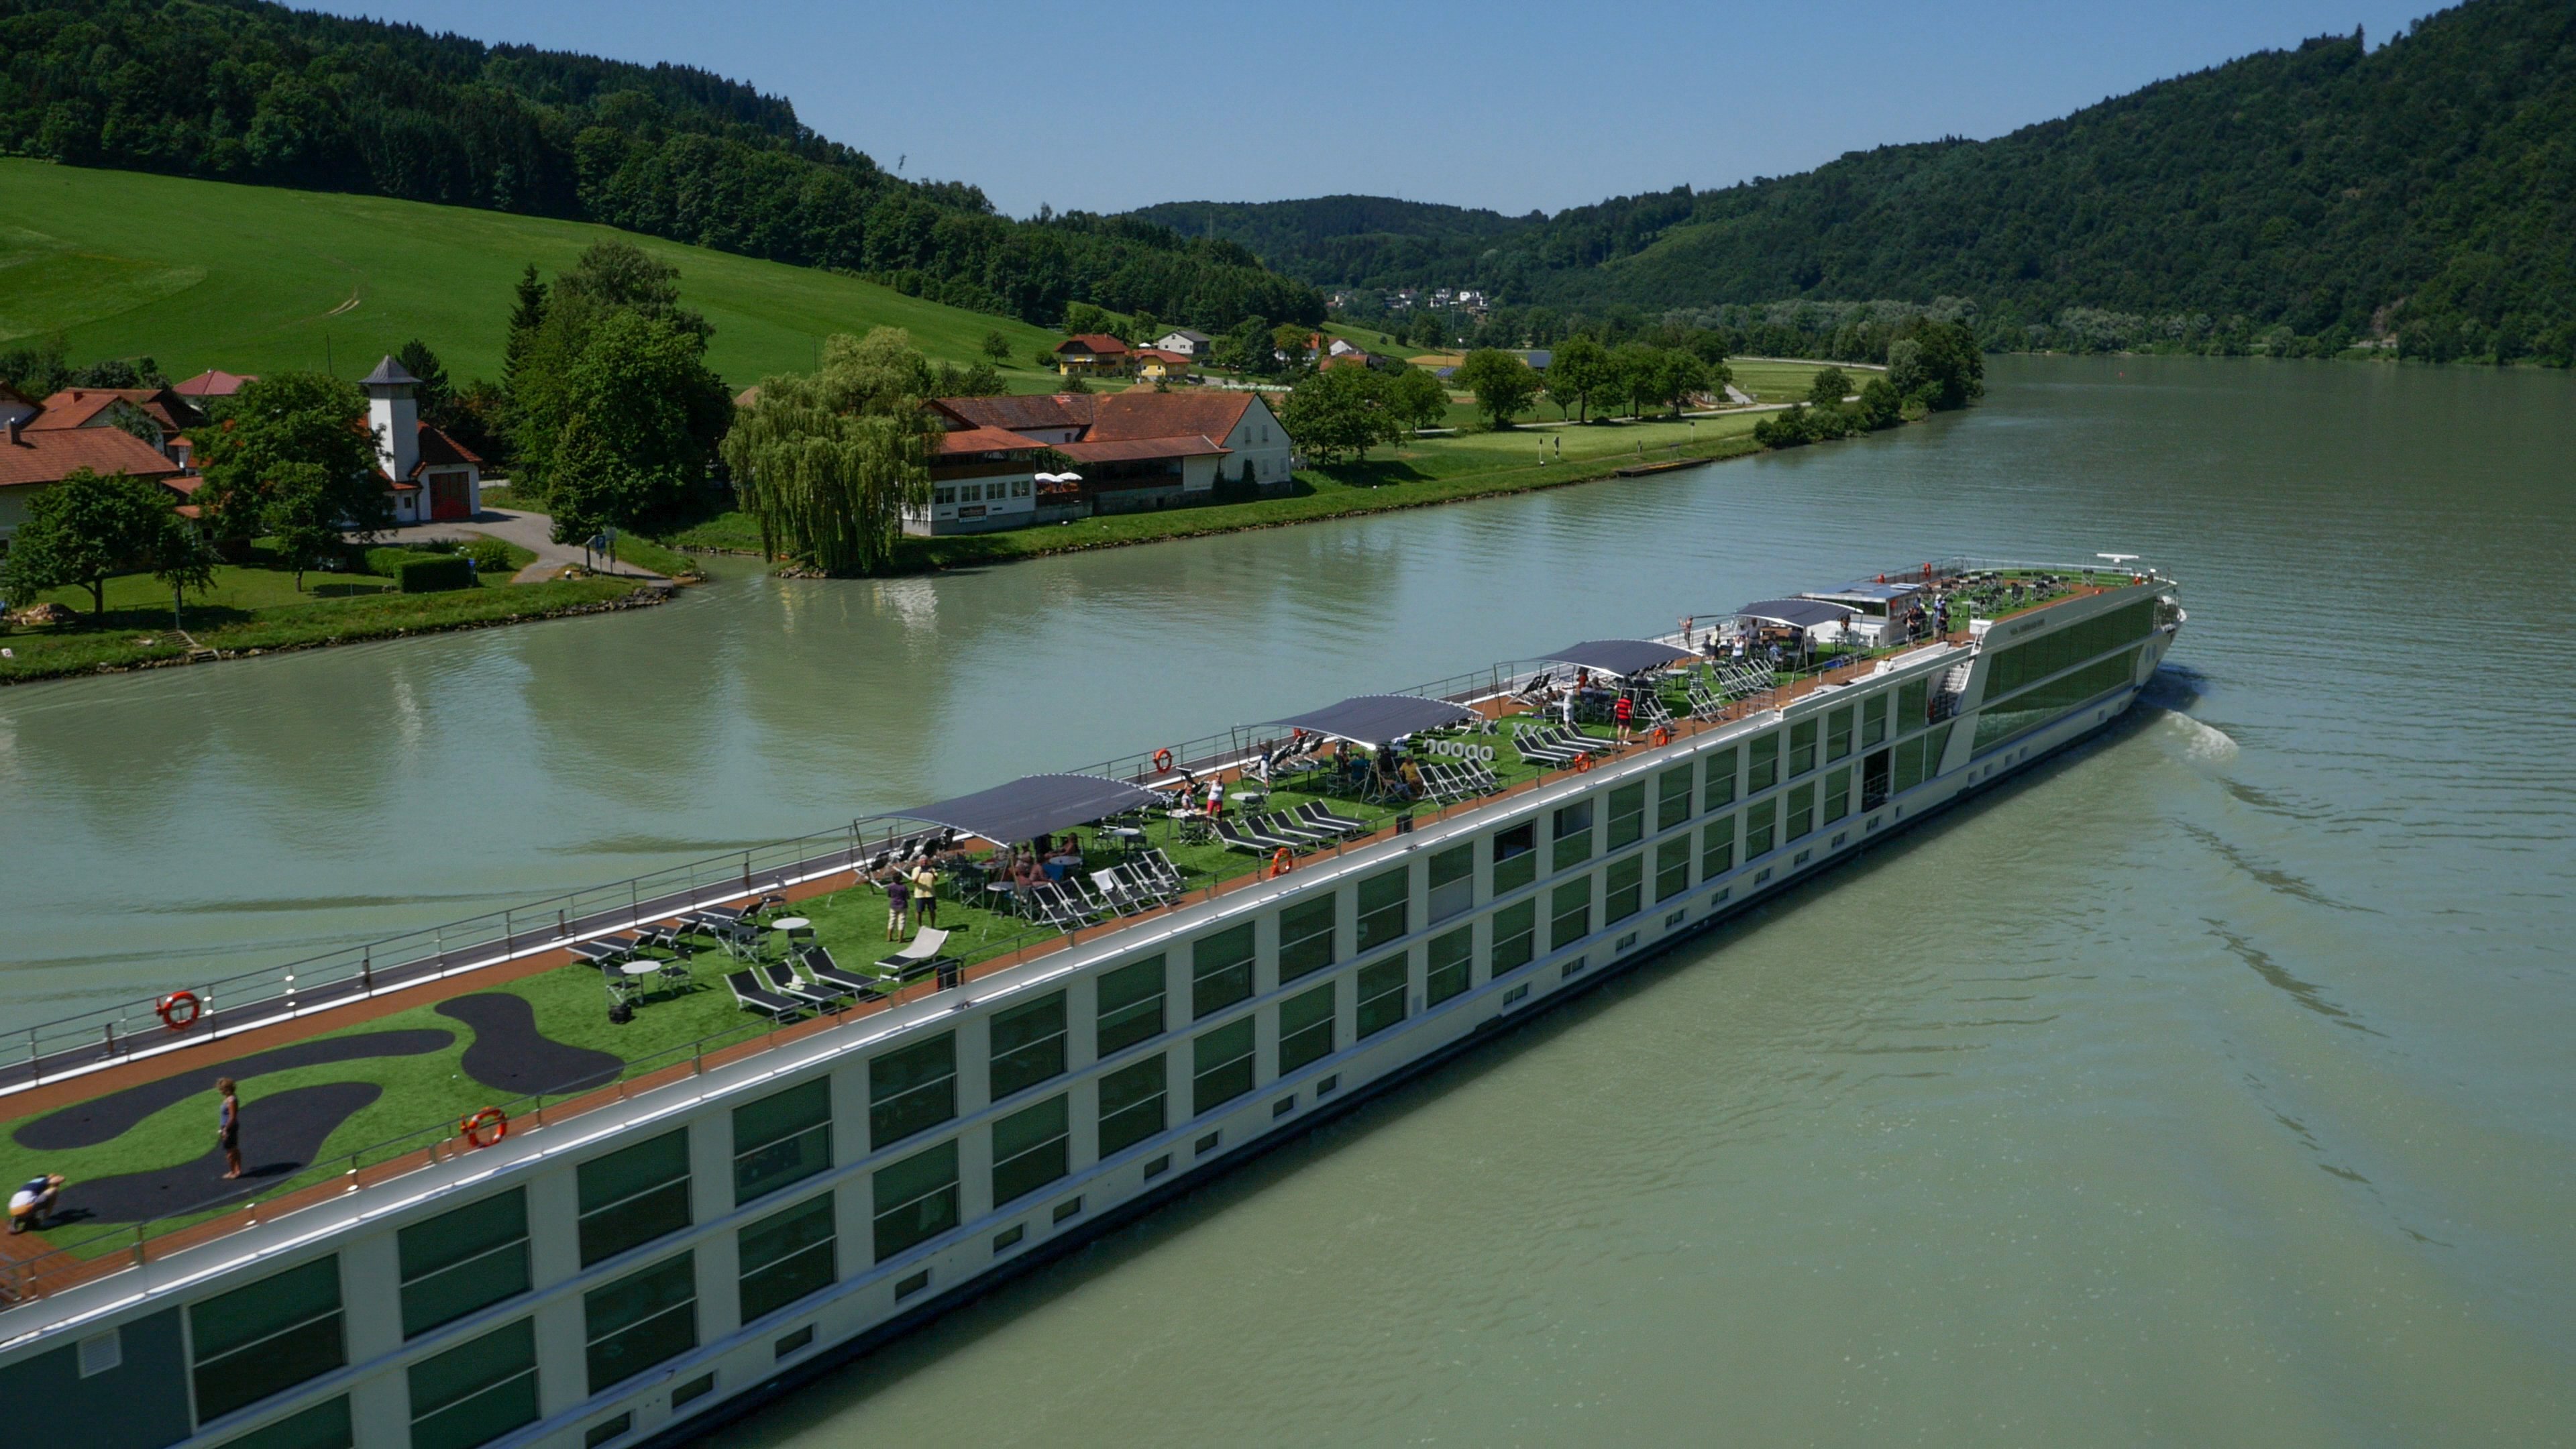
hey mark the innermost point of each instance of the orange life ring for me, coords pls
(1282, 862)
(1162, 759)
(1583, 762)
(179, 1009)
(492, 1119)
(1663, 735)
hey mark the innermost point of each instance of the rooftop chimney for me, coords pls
(17, 425)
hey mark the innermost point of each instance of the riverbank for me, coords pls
(1419, 475)
(133, 637)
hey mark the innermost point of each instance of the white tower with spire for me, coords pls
(395, 415)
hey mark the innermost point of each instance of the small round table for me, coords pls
(791, 927)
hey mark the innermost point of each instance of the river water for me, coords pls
(2210, 1085)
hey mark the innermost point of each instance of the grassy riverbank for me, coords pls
(258, 611)
(1428, 471)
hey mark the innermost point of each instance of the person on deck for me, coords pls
(29, 1204)
(1025, 876)
(898, 901)
(1411, 774)
(1215, 798)
(925, 896)
(228, 1126)
(1624, 712)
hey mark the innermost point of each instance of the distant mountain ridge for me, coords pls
(248, 91)
(2426, 190)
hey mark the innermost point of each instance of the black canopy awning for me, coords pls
(1034, 805)
(1800, 613)
(1375, 719)
(1622, 657)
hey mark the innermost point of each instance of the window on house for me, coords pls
(1221, 970)
(629, 1198)
(1449, 964)
(915, 1198)
(1221, 1066)
(1306, 937)
(1131, 1006)
(1028, 1045)
(912, 1089)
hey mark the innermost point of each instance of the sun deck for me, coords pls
(368, 1062)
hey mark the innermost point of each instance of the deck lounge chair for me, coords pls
(1283, 826)
(1322, 817)
(918, 957)
(818, 963)
(750, 995)
(1249, 837)
(1056, 908)
(782, 978)
(606, 948)
(1157, 869)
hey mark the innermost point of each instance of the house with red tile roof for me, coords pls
(1092, 353)
(1161, 364)
(157, 415)
(433, 478)
(33, 459)
(214, 383)
(1130, 451)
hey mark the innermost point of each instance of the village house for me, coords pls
(213, 383)
(1128, 452)
(1154, 364)
(1186, 341)
(1091, 354)
(432, 477)
(156, 415)
(33, 459)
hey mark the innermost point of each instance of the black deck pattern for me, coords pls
(510, 1055)
(279, 1138)
(107, 1118)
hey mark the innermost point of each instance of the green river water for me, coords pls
(2211, 1084)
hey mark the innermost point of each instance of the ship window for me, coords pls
(1515, 857)
(1221, 1066)
(1623, 888)
(1131, 1105)
(1131, 1006)
(1381, 995)
(787, 1255)
(477, 1391)
(1762, 763)
(1837, 795)
(1515, 938)
(1306, 1028)
(1068, 1208)
(1873, 719)
(1627, 823)
(1720, 791)
(1672, 867)
(1717, 848)
(1838, 733)
(1032, 1148)
(2043, 703)
(1913, 704)
(632, 1197)
(266, 1337)
(459, 1261)
(916, 1198)
(1382, 900)
(782, 1138)
(1221, 970)
(1758, 820)
(1800, 817)
(1571, 832)
(803, 1338)
(912, 1089)
(1306, 938)
(640, 1320)
(1672, 797)
(1450, 962)
(1802, 747)
(1453, 882)
(1569, 914)
(1028, 1045)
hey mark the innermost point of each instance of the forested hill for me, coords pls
(2426, 189)
(241, 90)
(1334, 240)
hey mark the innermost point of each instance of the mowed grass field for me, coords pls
(199, 274)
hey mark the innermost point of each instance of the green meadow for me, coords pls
(199, 274)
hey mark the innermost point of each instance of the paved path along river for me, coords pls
(2209, 1086)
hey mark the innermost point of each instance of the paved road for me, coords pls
(532, 531)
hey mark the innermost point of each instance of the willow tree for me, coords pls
(826, 463)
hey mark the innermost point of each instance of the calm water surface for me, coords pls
(2211, 1085)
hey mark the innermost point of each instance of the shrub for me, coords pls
(490, 555)
(386, 561)
(432, 573)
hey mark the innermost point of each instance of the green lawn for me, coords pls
(200, 274)
(1780, 382)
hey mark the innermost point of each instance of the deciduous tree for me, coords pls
(1578, 372)
(1503, 384)
(284, 421)
(91, 526)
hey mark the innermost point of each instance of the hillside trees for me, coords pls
(826, 462)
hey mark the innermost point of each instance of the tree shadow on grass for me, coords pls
(1368, 473)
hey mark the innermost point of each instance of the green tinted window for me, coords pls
(1720, 791)
(1221, 970)
(1672, 797)
(1449, 964)
(2067, 646)
(1220, 1065)
(1569, 913)
(1758, 820)
(787, 1255)
(1031, 1149)
(1306, 1028)
(912, 1089)
(1800, 817)
(1453, 882)
(266, 1337)
(1515, 857)
(1838, 733)
(1762, 763)
(631, 1197)
(1627, 815)
(1837, 795)
(915, 1199)
(1913, 699)
(324, 1426)
(1515, 938)
(782, 1138)
(1131, 1006)
(1382, 900)
(477, 1391)
(2042, 705)
(1802, 747)
(1873, 719)
(1306, 938)
(462, 1260)
(640, 1320)
(1572, 834)
(1716, 848)
(1381, 995)
(1028, 1045)
(1672, 866)
(1131, 1105)
(1623, 888)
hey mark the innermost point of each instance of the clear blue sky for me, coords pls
(1115, 104)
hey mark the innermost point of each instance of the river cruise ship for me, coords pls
(600, 1170)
